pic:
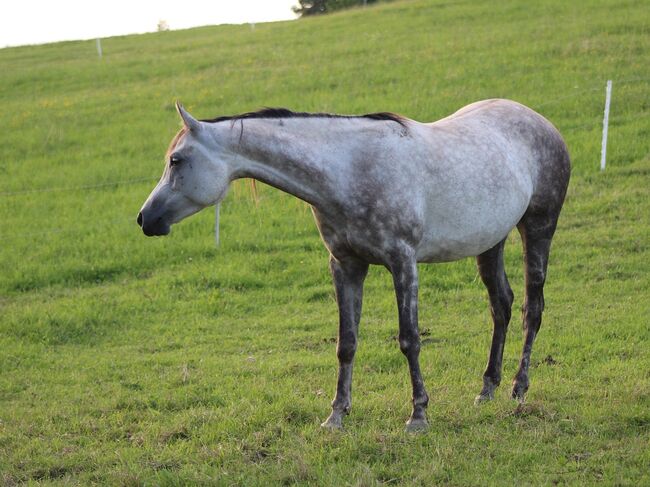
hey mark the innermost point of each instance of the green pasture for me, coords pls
(127, 360)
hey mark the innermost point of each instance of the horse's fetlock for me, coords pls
(421, 401)
(492, 380)
(342, 407)
(409, 344)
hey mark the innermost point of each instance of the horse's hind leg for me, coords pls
(493, 275)
(536, 233)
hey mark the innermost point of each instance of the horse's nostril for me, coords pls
(139, 220)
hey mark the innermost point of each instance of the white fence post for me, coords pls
(216, 224)
(98, 42)
(603, 152)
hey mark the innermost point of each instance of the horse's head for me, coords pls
(194, 178)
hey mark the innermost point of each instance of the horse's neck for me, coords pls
(282, 155)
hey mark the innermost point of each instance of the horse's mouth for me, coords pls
(158, 227)
(156, 231)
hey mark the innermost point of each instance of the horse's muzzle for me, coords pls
(153, 226)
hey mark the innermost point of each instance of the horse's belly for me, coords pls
(462, 227)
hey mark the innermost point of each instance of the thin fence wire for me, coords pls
(53, 231)
(566, 97)
(4, 237)
(599, 123)
(77, 188)
(589, 90)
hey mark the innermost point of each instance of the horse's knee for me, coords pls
(507, 313)
(502, 312)
(346, 349)
(509, 297)
(501, 306)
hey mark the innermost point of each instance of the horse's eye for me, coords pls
(174, 160)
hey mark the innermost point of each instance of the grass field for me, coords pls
(135, 361)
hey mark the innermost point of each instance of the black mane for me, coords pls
(286, 113)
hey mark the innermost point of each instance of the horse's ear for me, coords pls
(192, 124)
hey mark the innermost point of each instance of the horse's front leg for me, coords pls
(405, 278)
(348, 279)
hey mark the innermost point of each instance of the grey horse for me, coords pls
(388, 190)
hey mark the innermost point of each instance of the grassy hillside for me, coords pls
(133, 361)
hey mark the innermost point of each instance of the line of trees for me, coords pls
(316, 7)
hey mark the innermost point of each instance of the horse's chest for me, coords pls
(368, 235)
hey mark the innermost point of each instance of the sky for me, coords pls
(40, 21)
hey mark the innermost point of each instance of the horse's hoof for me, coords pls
(519, 397)
(519, 389)
(332, 424)
(519, 394)
(481, 398)
(416, 426)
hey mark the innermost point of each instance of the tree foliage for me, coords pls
(315, 7)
